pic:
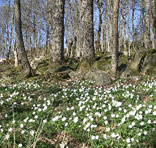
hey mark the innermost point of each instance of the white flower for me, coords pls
(145, 132)
(133, 123)
(149, 122)
(22, 132)
(142, 123)
(107, 129)
(93, 137)
(45, 121)
(32, 132)
(64, 119)
(63, 144)
(106, 122)
(10, 129)
(128, 140)
(84, 120)
(36, 116)
(20, 145)
(132, 139)
(105, 117)
(97, 137)
(139, 134)
(76, 119)
(98, 114)
(74, 114)
(7, 136)
(13, 121)
(87, 125)
(113, 135)
(55, 118)
(117, 116)
(154, 113)
(120, 109)
(112, 115)
(105, 136)
(21, 125)
(66, 124)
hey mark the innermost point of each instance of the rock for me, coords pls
(74, 74)
(99, 77)
(138, 60)
(84, 67)
(39, 62)
(103, 63)
(128, 73)
(149, 65)
(58, 72)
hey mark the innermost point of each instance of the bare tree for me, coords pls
(115, 38)
(57, 50)
(86, 35)
(25, 62)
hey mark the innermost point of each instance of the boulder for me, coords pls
(84, 67)
(74, 74)
(138, 60)
(58, 72)
(99, 77)
(149, 65)
(39, 62)
(129, 73)
(103, 63)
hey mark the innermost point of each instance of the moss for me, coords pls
(102, 64)
(41, 70)
(84, 67)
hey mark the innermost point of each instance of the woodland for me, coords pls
(78, 73)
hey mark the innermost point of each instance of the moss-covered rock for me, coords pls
(135, 65)
(84, 67)
(103, 64)
(99, 77)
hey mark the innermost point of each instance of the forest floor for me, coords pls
(41, 113)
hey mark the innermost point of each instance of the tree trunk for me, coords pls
(15, 55)
(153, 4)
(147, 31)
(87, 31)
(142, 6)
(115, 38)
(133, 17)
(57, 50)
(25, 62)
(100, 25)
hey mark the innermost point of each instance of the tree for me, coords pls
(153, 4)
(115, 38)
(25, 62)
(86, 35)
(57, 49)
(147, 29)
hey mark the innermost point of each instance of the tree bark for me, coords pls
(147, 31)
(86, 38)
(100, 25)
(57, 50)
(153, 4)
(25, 62)
(15, 55)
(115, 38)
